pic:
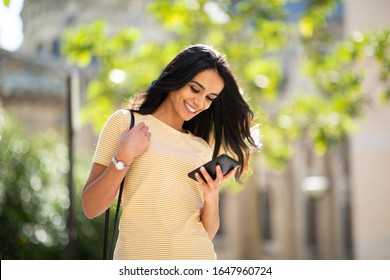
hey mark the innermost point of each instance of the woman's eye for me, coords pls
(209, 98)
(194, 90)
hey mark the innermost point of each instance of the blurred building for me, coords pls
(34, 90)
(369, 154)
(319, 208)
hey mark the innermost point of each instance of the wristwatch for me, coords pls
(119, 165)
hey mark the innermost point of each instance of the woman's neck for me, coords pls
(168, 116)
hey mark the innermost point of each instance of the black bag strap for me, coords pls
(106, 224)
(107, 216)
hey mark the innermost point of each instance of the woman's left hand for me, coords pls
(211, 187)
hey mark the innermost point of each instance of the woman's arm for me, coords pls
(103, 182)
(210, 211)
(210, 218)
(100, 189)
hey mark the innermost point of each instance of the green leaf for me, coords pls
(306, 27)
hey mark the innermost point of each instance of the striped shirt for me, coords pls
(161, 205)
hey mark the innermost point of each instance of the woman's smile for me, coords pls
(189, 108)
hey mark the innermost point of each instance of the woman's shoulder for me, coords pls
(118, 118)
(124, 116)
(121, 113)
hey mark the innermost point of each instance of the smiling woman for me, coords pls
(187, 102)
(190, 114)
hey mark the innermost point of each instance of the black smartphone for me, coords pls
(224, 161)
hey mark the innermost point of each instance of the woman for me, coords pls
(193, 112)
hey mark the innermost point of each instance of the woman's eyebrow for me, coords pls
(199, 84)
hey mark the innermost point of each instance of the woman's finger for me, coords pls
(202, 182)
(206, 175)
(220, 177)
(230, 173)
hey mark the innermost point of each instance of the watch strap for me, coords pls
(115, 161)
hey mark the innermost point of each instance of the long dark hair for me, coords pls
(226, 123)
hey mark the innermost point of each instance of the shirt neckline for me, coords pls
(170, 128)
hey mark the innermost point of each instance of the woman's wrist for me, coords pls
(210, 210)
(210, 215)
(125, 158)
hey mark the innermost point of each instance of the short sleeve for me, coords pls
(109, 138)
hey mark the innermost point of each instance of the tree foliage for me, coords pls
(33, 202)
(34, 198)
(6, 2)
(337, 67)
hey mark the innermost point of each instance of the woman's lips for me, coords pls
(189, 108)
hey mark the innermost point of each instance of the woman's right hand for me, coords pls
(133, 143)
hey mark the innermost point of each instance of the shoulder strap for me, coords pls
(106, 224)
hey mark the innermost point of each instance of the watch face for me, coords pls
(120, 165)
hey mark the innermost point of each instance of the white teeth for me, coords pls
(189, 107)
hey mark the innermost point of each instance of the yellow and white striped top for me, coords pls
(160, 204)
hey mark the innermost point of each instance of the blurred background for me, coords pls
(316, 73)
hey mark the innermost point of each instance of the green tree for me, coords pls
(334, 65)
(33, 201)
(34, 197)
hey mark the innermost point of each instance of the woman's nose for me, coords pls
(199, 102)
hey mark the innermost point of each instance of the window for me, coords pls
(265, 215)
(56, 48)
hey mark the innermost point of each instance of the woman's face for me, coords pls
(197, 95)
